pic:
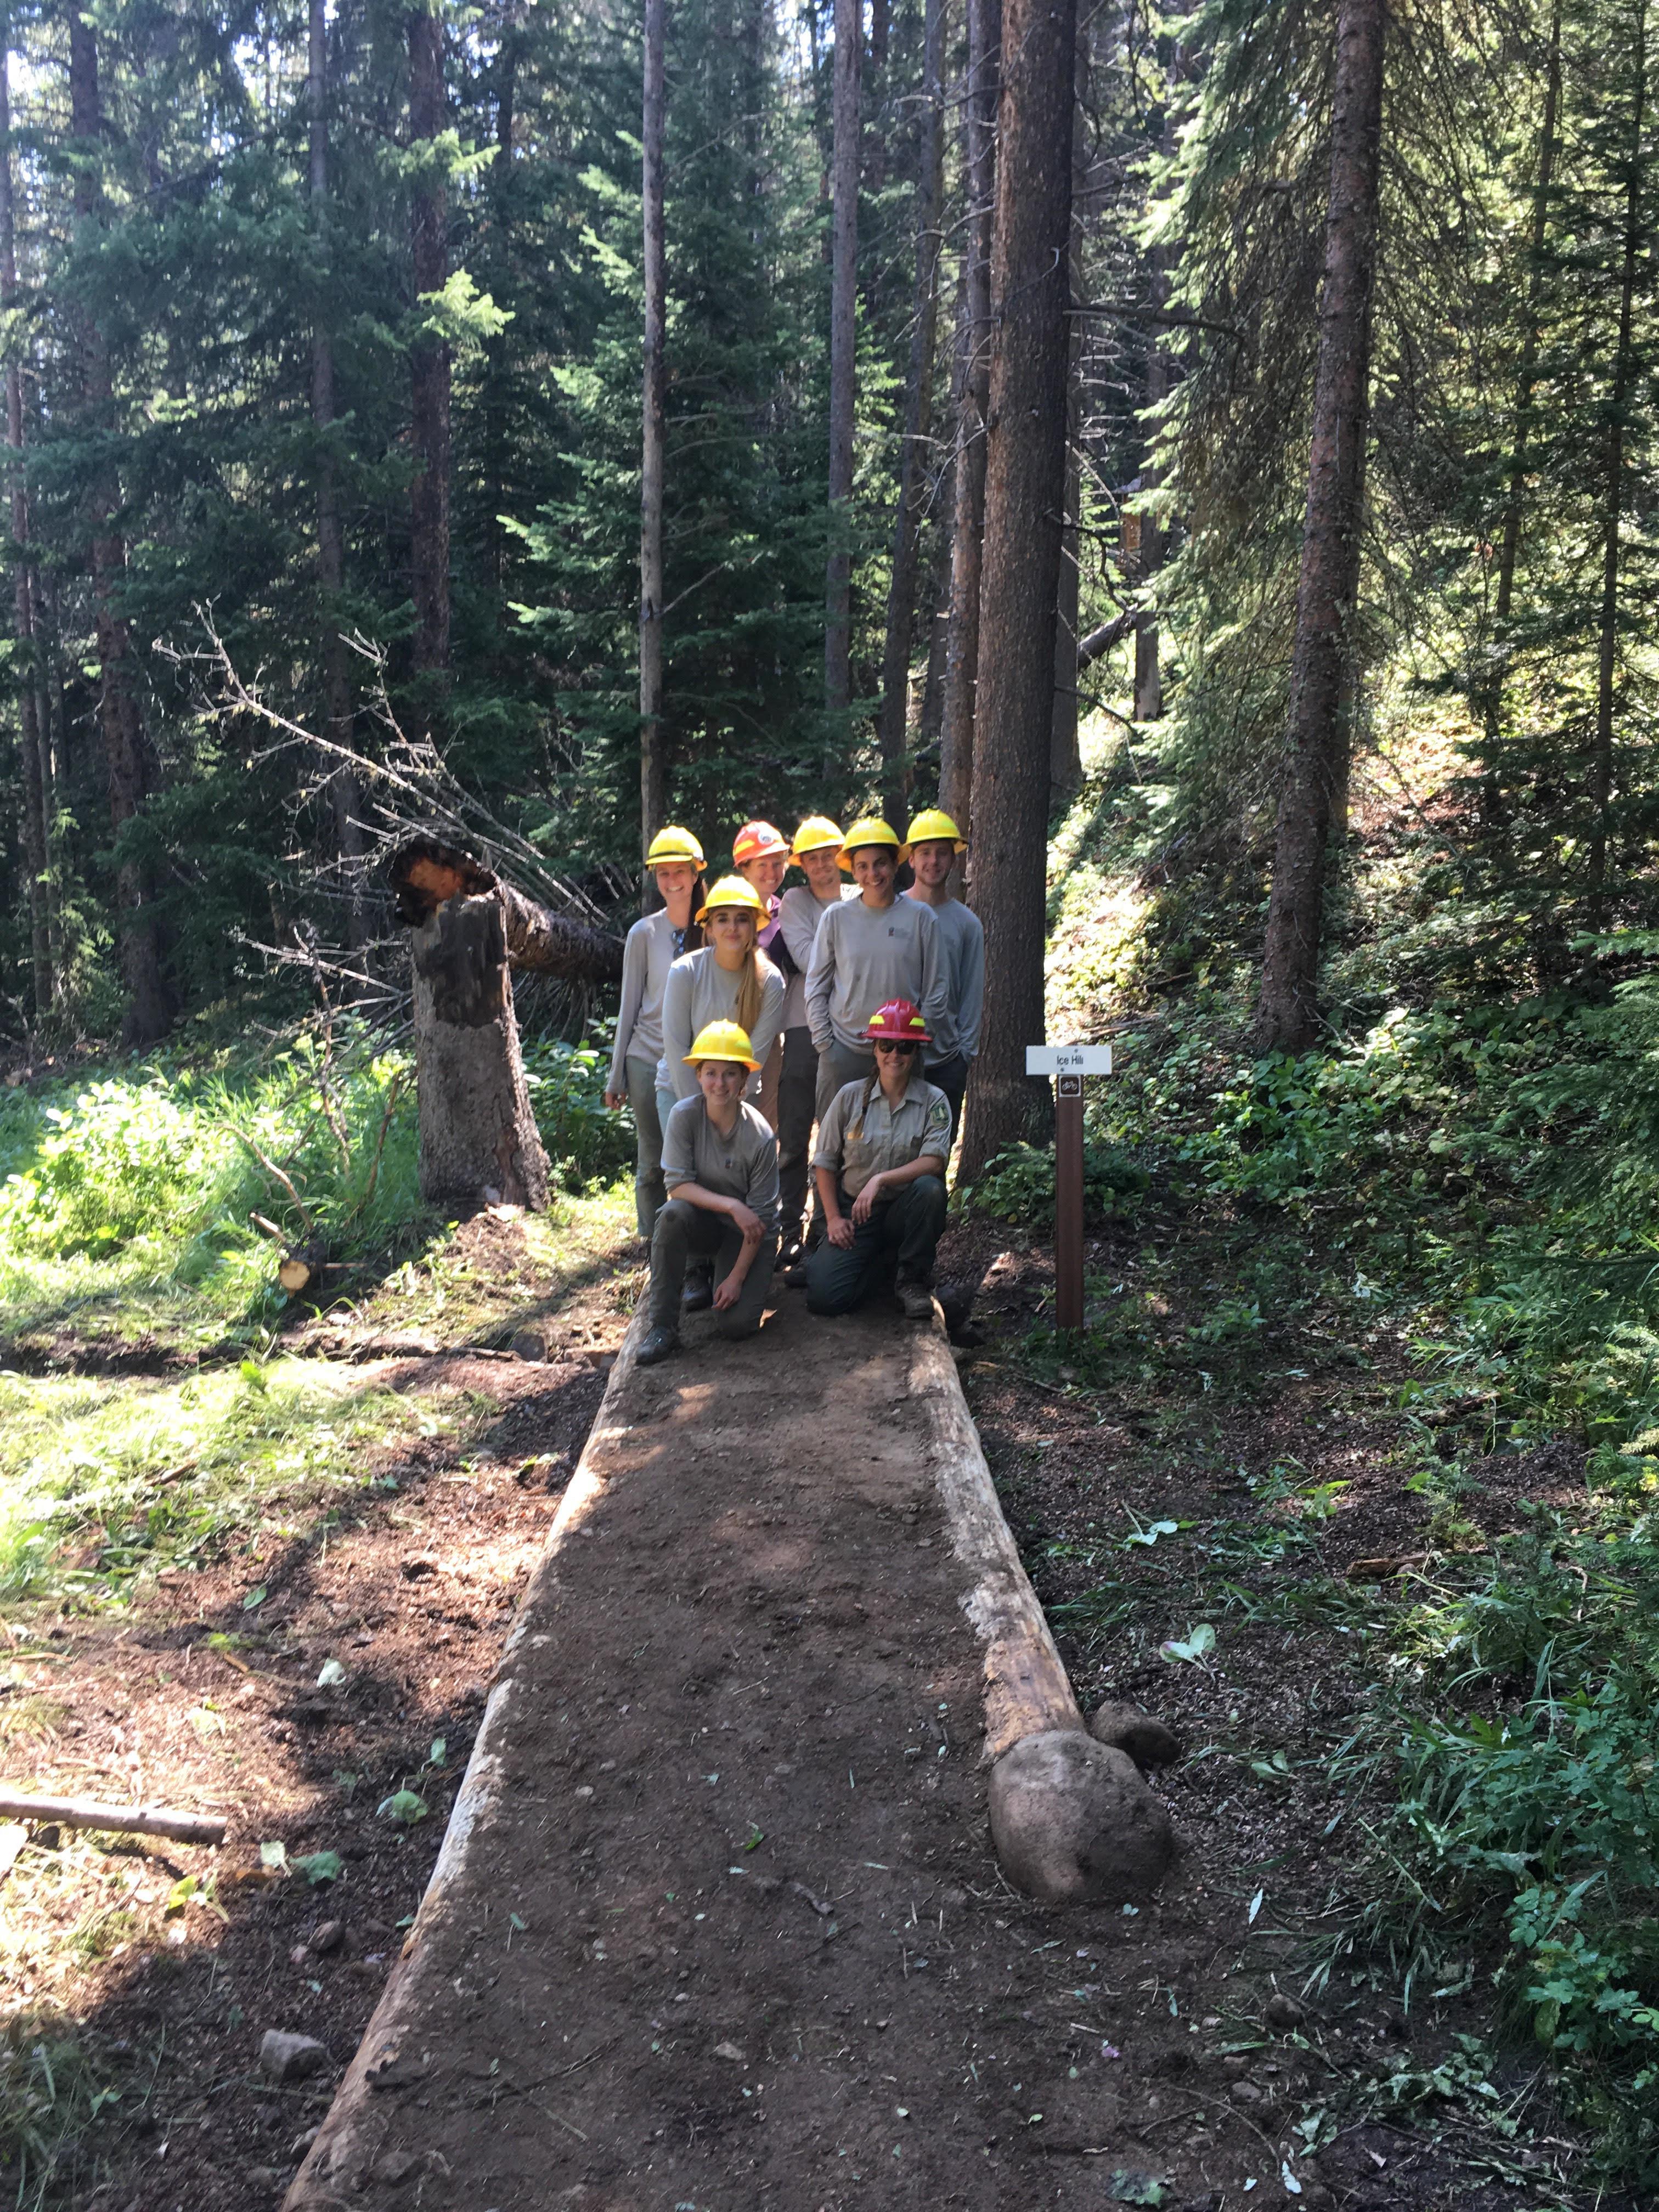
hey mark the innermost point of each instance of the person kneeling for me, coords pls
(719, 1162)
(880, 1169)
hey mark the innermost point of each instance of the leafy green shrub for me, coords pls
(586, 1143)
(116, 1164)
(1019, 1185)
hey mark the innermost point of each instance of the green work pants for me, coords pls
(906, 1227)
(684, 1233)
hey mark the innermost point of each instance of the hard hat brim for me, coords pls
(726, 1059)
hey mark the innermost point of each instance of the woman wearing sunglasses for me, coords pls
(879, 1165)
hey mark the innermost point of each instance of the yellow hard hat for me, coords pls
(673, 844)
(871, 831)
(931, 826)
(814, 833)
(731, 891)
(722, 1041)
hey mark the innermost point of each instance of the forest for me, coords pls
(1214, 452)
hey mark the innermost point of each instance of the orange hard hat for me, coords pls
(754, 841)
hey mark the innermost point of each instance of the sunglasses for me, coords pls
(892, 1044)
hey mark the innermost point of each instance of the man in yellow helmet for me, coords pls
(869, 951)
(719, 1162)
(932, 846)
(817, 851)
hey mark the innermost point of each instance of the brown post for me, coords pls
(1068, 1202)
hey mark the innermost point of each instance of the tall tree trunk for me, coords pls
(918, 422)
(944, 509)
(1613, 490)
(1025, 492)
(1316, 751)
(344, 796)
(28, 737)
(147, 1014)
(1527, 375)
(1064, 757)
(844, 363)
(968, 524)
(653, 780)
(429, 359)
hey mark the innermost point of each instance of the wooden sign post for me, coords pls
(1068, 1063)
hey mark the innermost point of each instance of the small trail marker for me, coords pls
(1068, 1063)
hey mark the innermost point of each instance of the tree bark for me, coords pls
(967, 526)
(1024, 493)
(344, 797)
(146, 1013)
(1526, 377)
(1612, 491)
(653, 792)
(477, 1134)
(844, 362)
(918, 423)
(429, 358)
(28, 737)
(1315, 769)
(423, 874)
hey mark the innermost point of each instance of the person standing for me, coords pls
(868, 950)
(817, 851)
(654, 944)
(879, 1162)
(760, 854)
(932, 846)
(721, 1161)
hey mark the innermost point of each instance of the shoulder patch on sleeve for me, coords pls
(939, 1114)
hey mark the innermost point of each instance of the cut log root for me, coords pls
(124, 1819)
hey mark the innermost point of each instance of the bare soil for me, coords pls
(738, 1939)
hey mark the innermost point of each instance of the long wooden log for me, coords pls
(425, 875)
(126, 1820)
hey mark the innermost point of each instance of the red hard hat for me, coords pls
(899, 1019)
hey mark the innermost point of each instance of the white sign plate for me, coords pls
(1068, 1059)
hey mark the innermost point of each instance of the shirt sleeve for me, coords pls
(798, 918)
(936, 1130)
(769, 1021)
(635, 958)
(971, 1000)
(763, 1176)
(679, 1148)
(676, 1025)
(832, 1134)
(935, 970)
(821, 982)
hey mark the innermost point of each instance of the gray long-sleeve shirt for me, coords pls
(699, 991)
(744, 1165)
(798, 915)
(648, 955)
(962, 941)
(864, 956)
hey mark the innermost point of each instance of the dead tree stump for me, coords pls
(477, 1133)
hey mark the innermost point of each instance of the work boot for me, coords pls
(915, 1301)
(662, 1344)
(698, 1294)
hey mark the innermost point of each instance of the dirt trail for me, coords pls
(730, 1934)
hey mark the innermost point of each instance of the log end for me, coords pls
(302, 1272)
(1073, 1823)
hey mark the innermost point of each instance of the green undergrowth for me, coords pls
(149, 1199)
(1470, 1176)
(105, 1482)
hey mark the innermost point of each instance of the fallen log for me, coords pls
(1071, 1818)
(124, 1819)
(1094, 642)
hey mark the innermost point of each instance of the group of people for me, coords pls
(752, 1015)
